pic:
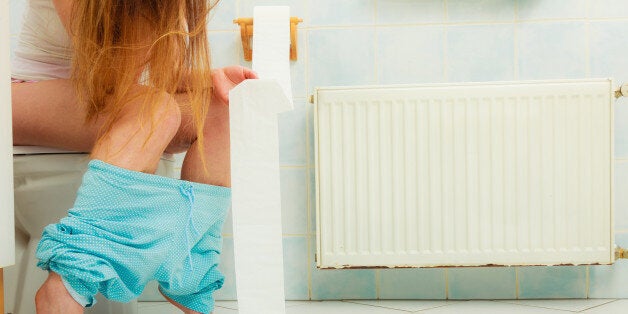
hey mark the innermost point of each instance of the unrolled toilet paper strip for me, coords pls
(255, 187)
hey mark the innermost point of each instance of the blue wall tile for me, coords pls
(621, 128)
(292, 137)
(410, 54)
(345, 12)
(294, 200)
(552, 282)
(621, 239)
(222, 15)
(335, 284)
(552, 50)
(295, 267)
(312, 199)
(341, 57)
(297, 67)
(608, 281)
(480, 53)
(420, 283)
(621, 197)
(608, 8)
(480, 11)
(608, 54)
(482, 283)
(226, 48)
(410, 11)
(554, 9)
(311, 135)
(297, 8)
(17, 9)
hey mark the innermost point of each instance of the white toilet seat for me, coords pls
(38, 150)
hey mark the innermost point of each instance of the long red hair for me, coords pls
(161, 44)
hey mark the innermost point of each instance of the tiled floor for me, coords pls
(597, 306)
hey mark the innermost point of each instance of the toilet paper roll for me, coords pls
(256, 199)
(271, 45)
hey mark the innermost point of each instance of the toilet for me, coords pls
(45, 185)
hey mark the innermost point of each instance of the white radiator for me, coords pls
(513, 173)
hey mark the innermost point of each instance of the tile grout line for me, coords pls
(478, 23)
(311, 239)
(537, 306)
(310, 260)
(357, 302)
(600, 305)
(474, 23)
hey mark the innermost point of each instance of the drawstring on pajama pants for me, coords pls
(190, 230)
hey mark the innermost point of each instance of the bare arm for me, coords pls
(64, 8)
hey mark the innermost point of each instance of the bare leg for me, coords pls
(131, 143)
(53, 298)
(127, 145)
(216, 151)
(179, 306)
(216, 132)
(47, 113)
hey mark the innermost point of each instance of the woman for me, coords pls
(134, 83)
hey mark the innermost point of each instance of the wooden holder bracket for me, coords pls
(246, 33)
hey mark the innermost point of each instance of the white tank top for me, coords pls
(44, 49)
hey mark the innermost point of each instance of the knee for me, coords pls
(166, 117)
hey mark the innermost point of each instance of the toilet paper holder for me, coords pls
(246, 33)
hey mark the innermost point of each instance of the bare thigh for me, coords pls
(47, 114)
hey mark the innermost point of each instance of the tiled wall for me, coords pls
(353, 42)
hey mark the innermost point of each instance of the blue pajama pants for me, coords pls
(127, 228)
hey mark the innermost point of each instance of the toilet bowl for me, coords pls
(45, 185)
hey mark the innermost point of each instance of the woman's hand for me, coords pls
(224, 79)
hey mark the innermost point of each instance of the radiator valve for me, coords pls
(621, 253)
(622, 91)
